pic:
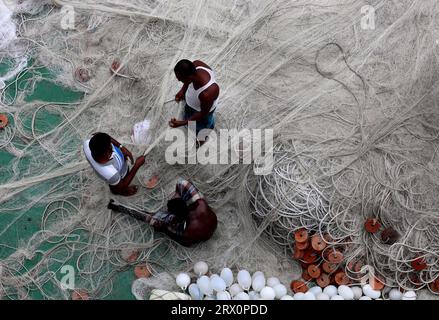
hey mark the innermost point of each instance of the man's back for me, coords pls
(202, 222)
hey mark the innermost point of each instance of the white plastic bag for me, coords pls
(140, 134)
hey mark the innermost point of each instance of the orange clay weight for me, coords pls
(80, 294)
(329, 267)
(314, 271)
(372, 225)
(3, 121)
(299, 286)
(377, 283)
(419, 264)
(341, 278)
(142, 271)
(301, 235)
(317, 243)
(302, 245)
(335, 256)
(323, 281)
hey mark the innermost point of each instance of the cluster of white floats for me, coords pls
(257, 287)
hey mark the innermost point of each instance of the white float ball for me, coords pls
(204, 284)
(223, 295)
(358, 292)
(195, 292)
(242, 296)
(299, 296)
(346, 292)
(330, 291)
(235, 289)
(267, 293)
(253, 295)
(218, 284)
(280, 291)
(370, 292)
(309, 296)
(395, 294)
(183, 280)
(322, 296)
(201, 268)
(227, 276)
(287, 297)
(257, 273)
(258, 283)
(272, 282)
(244, 279)
(315, 290)
(337, 297)
(409, 295)
(365, 298)
(209, 298)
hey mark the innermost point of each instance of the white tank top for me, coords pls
(112, 171)
(192, 95)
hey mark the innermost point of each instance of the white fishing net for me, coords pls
(354, 113)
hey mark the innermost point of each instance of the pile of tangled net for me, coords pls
(354, 113)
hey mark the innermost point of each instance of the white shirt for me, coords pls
(114, 170)
(192, 96)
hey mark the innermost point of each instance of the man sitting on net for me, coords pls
(189, 219)
(109, 160)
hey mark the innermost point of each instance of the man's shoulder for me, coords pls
(199, 63)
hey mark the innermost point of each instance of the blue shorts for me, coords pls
(208, 122)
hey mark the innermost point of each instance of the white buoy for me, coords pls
(309, 296)
(346, 292)
(409, 295)
(258, 283)
(217, 283)
(209, 298)
(227, 276)
(287, 297)
(299, 296)
(280, 290)
(235, 289)
(365, 298)
(272, 282)
(257, 273)
(358, 292)
(370, 292)
(267, 293)
(183, 280)
(204, 284)
(195, 292)
(223, 295)
(315, 290)
(330, 291)
(201, 268)
(253, 295)
(322, 296)
(241, 296)
(337, 297)
(395, 294)
(244, 279)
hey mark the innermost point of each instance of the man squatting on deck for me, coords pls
(109, 160)
(189, 219)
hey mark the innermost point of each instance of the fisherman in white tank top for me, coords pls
(201, 93)
(109, 160)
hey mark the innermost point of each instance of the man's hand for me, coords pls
(179, 96)
(140, 161)
(127, 154)
(174, 123)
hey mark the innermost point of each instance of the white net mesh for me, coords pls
(354, 113)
